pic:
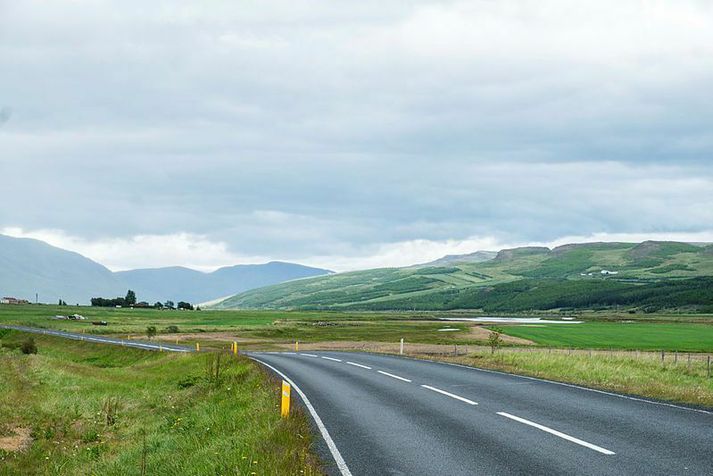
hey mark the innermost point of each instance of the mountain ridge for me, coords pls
(29, 267)
(558, 276)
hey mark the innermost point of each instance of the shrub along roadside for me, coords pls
(95, 409)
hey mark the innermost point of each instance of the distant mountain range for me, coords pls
(196, 287)
(29, 267)
(640, 276)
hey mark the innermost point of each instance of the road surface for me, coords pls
(385, 415)
(102, 340)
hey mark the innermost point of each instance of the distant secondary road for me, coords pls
(102, 340)
(385, 415)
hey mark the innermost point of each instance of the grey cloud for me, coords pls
(295, 129)
(5, 114)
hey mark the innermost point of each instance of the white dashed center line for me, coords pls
(448, 394)
(359, 365)
(309, 355)
(393, 376)
(331, 358)
(558, 433)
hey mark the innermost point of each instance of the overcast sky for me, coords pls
(352, 134)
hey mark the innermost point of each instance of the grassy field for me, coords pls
(79, 408)
(629, 374)
(682, 332)
(619, 335)
(123, 320)
(279, 326)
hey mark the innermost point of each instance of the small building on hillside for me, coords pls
(13, 300)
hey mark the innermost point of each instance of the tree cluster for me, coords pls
(129, 300)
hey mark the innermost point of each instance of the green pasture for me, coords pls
(620, 335)
(128, 320)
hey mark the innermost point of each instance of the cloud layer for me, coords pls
(352, 136)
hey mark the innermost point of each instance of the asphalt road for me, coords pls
(385, 415)
(102, 340)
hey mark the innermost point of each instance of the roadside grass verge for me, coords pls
(628, 374)
(101, 409)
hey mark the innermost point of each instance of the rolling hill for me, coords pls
(178, 283)
(649, 275)
(30, 266)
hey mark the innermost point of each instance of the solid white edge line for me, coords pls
(309, 355)
(393, 376)
(554, 382)
(341, 464)
(331, 358)
(359, 365)
(448, 394)
(558, 433)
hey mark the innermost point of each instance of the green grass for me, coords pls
(620, 335)
(169, 414)
(125, 320)
(629, 374)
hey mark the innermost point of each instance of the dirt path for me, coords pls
(481, 333)
(207, 337)
(388, 347)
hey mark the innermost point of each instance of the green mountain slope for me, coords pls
(650, 275)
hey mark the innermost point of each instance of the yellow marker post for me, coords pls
(297, 346)
(286, 391)
(235, 348)
(198, 347)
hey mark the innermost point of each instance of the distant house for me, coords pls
(12, 300)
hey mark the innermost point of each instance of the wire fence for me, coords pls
(693, 363)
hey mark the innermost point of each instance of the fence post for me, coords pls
(198, 347)
(662, 357)
(297, 346)
(401, 347)
(709, 366)
(675, 357)
(285, 407)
